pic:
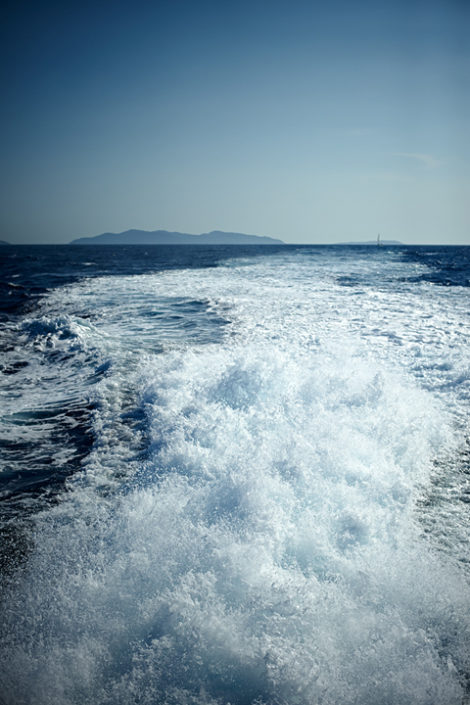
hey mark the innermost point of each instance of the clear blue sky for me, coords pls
(312, 122)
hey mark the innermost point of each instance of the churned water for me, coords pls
(235, 475)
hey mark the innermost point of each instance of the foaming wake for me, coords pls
(267, 547)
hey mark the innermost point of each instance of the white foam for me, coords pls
(269, 548)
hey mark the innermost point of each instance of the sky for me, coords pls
(309, 121)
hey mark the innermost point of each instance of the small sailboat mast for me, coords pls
(378, 240)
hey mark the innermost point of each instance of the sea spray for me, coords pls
(247, 527)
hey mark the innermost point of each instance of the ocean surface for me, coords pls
(235, 475)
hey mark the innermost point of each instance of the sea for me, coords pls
(235, 475)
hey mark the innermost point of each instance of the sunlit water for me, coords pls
(251, 485)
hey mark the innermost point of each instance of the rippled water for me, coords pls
(241, 480)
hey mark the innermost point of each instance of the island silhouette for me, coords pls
(163, 237)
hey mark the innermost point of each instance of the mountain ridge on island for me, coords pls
(164, 237)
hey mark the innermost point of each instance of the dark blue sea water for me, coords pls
(234, 475)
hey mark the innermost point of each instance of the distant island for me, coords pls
(372, 242)
(3, 242)
(163, 237)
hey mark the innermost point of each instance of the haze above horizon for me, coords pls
(304, 121)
